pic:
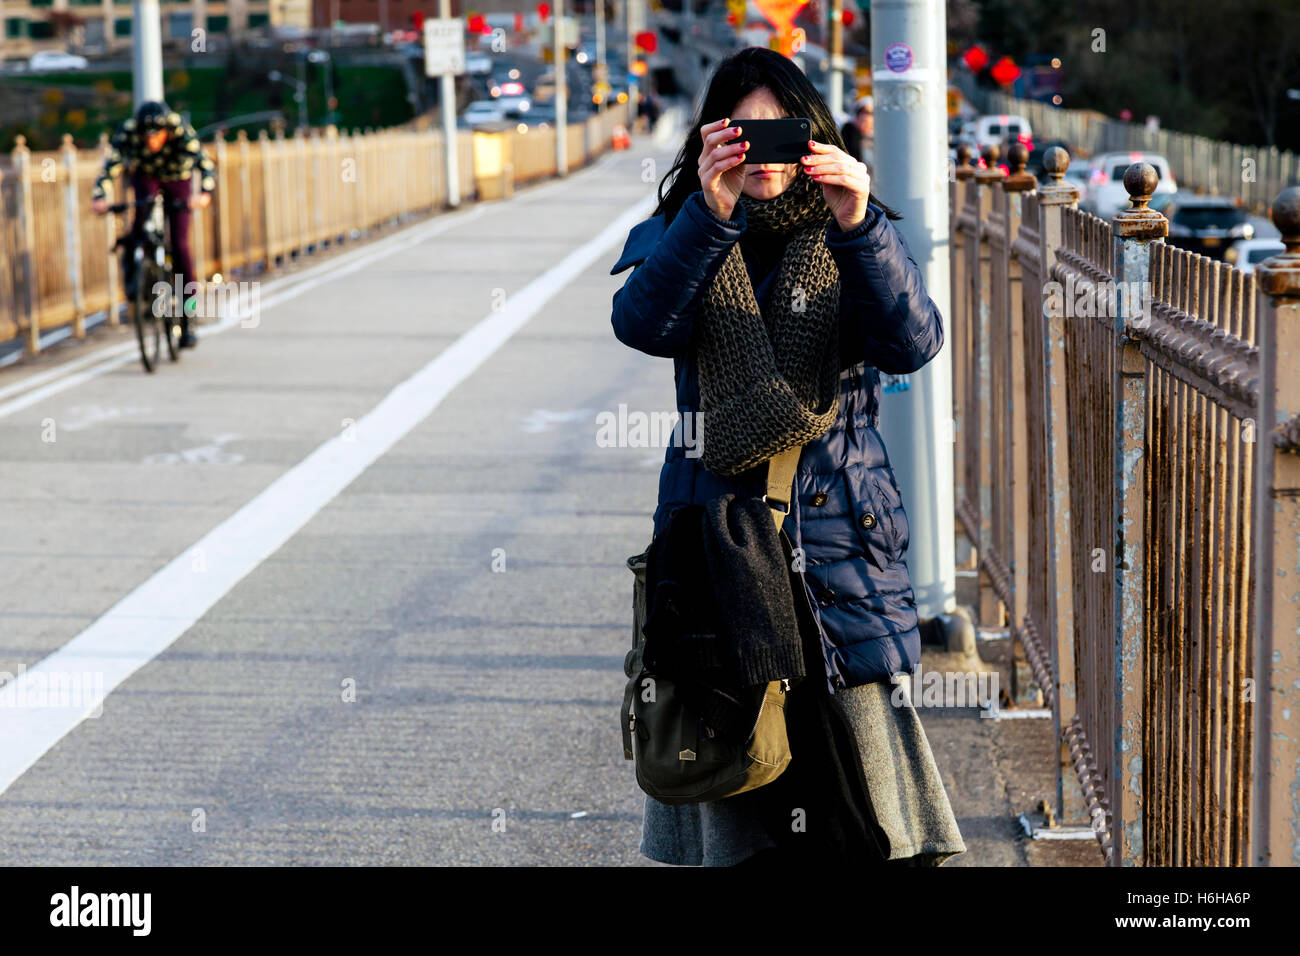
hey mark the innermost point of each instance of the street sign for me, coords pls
(780, 13)
(444, 46)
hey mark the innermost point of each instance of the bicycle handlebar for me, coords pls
(167, 203)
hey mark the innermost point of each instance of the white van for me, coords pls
(997, 129)
(1106, 192)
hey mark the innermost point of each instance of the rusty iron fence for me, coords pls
(1128, 458)
(277, 198)
(1254, 173)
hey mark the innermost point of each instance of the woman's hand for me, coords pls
(722, 169)
(846, 184)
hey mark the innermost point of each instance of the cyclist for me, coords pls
(159, 152)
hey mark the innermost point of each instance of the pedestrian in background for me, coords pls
(789, 280)
(860, 132)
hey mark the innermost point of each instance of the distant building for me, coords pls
(92, 26)
(400, 14)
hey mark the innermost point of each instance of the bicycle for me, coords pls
(154, 314)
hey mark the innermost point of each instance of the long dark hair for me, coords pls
(737, 76)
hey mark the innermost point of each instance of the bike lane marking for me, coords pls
(153, 616)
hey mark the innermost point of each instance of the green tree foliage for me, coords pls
(1203, 66)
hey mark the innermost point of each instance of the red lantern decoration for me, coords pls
(417, 18)
(1005, 71)
(975, 59)
(647, 40)
(543, 12)
(847, 17)
(477, 24)
(519, 22)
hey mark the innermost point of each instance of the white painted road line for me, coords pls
(1035, 713)
(65, 368)
(149, 619)
(67, 381)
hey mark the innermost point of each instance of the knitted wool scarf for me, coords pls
(769, 380)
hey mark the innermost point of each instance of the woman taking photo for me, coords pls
(780, 292)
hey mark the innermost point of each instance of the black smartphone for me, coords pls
(775, 140)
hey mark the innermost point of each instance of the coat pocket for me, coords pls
(899, 529)
(872, 518)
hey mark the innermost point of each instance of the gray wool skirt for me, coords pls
(907, 794)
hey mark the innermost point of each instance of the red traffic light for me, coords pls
(1005, 71)
(975, 58)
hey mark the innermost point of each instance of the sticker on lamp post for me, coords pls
(898, 57)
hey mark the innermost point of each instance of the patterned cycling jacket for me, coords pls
(180, 154)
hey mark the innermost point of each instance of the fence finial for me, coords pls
(1138, 221)
(991, 174)
(1018, 180)
(964, 169)
(1279, 275)
(1057, 190)
(1140, 179)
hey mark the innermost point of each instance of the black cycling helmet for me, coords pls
(152, 115)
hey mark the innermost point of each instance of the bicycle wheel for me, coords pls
(148, 327)
(170, 323)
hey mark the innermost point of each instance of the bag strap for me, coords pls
(780, 482)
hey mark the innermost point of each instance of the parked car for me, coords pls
(998, 130)
(1077, 175)
(1106, 192)
(1206, 224)
(507, 86)
(964, 135)
(1160, 202)
(515, 105)
(1034, 166)
(511, 93)
(482, 111)
(1245, 254)
(544, 87)
(50, 60)
(541, 116)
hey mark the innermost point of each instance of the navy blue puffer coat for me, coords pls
(847, 514)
